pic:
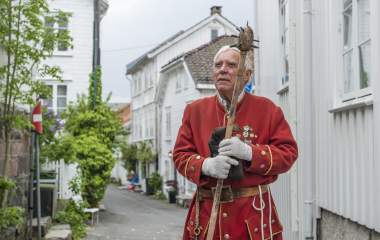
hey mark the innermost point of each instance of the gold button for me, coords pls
(225, 215)
(264, 225)
(257, 144)
(263, 153)
(262, 166)
(256, 230)
(192, 168)
(273, 221)
(198, 157)
(226, 236)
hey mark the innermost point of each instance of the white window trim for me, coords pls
(358, 97)
(69, 52)
(54, 93)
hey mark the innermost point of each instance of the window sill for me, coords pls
(353, 104)
(283, 89)
(63, 54)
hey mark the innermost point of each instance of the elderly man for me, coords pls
(263, 142)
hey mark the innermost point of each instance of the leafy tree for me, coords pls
(26, 41)
(145, 154)
(88, 139)
(129, 156)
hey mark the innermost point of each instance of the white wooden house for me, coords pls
(76, 65)
(145, 74)
(183, 79)
(319, 60)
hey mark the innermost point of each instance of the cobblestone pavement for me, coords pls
(134, 216)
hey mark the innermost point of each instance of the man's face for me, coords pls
(225, 71)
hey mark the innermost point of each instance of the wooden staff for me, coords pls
(245, 44)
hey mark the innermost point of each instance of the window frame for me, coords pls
(356, 93)
(284, 7)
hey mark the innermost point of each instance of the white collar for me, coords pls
(225, 103)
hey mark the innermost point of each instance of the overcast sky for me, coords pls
(132, 27)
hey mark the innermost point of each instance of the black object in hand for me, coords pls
(236, 172)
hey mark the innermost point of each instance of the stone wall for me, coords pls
(19, 172)
(335, 227)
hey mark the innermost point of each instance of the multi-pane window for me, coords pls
(61, 98)
(58, 102)
(284, 33)
(61, 27)
(62, 30)
(168, 127)
(356, 47)
(214, 34)
(178, 82)
(48, 103)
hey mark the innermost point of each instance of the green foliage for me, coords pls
(155, 181)
(88, 138)
(27, 40)
(75, 216)
(11, 216)
(159, 195)
(145, 153)
(95, 96)
(129, 156)
(6, 184)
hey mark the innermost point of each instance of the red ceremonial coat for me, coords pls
(274, 150)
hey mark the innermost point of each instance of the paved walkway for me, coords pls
(134, 216)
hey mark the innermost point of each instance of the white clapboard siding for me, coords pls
(347, 178)
(285, 187)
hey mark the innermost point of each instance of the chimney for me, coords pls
(216, 10)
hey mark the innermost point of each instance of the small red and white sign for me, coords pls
(37, 118)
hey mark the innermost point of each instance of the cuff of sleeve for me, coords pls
(261, 159)
(193, 168)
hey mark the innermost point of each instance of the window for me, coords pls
(62, 30)
(185, 80)
(178, 83)
(214, 34)
(284, 28)
(61, 98)
(356, 49)
(168, 122)
(48, 102)
(61, 27)
(58, 102)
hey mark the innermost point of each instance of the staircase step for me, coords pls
(45, 225)
(59, 232)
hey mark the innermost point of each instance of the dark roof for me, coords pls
(200, 59)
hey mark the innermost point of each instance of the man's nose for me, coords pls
(223, 68)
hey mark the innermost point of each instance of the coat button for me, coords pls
(262, 166)
(263, 153)
(225, 215)
(198, 157)
(255, 229)
(226, 236)
(192, 168)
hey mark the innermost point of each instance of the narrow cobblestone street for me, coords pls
(134, 216)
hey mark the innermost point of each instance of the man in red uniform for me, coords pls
(263, 142)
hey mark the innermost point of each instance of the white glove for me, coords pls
(218, 167)
(234, 147)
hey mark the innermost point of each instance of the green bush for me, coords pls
(155, 181)
(75, 216)
(11, 216)
(159, 195)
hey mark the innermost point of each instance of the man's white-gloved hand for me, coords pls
(234, 147)
(218, 167)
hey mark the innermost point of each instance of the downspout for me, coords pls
(309, 190)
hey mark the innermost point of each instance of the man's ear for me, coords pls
(247, 76)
